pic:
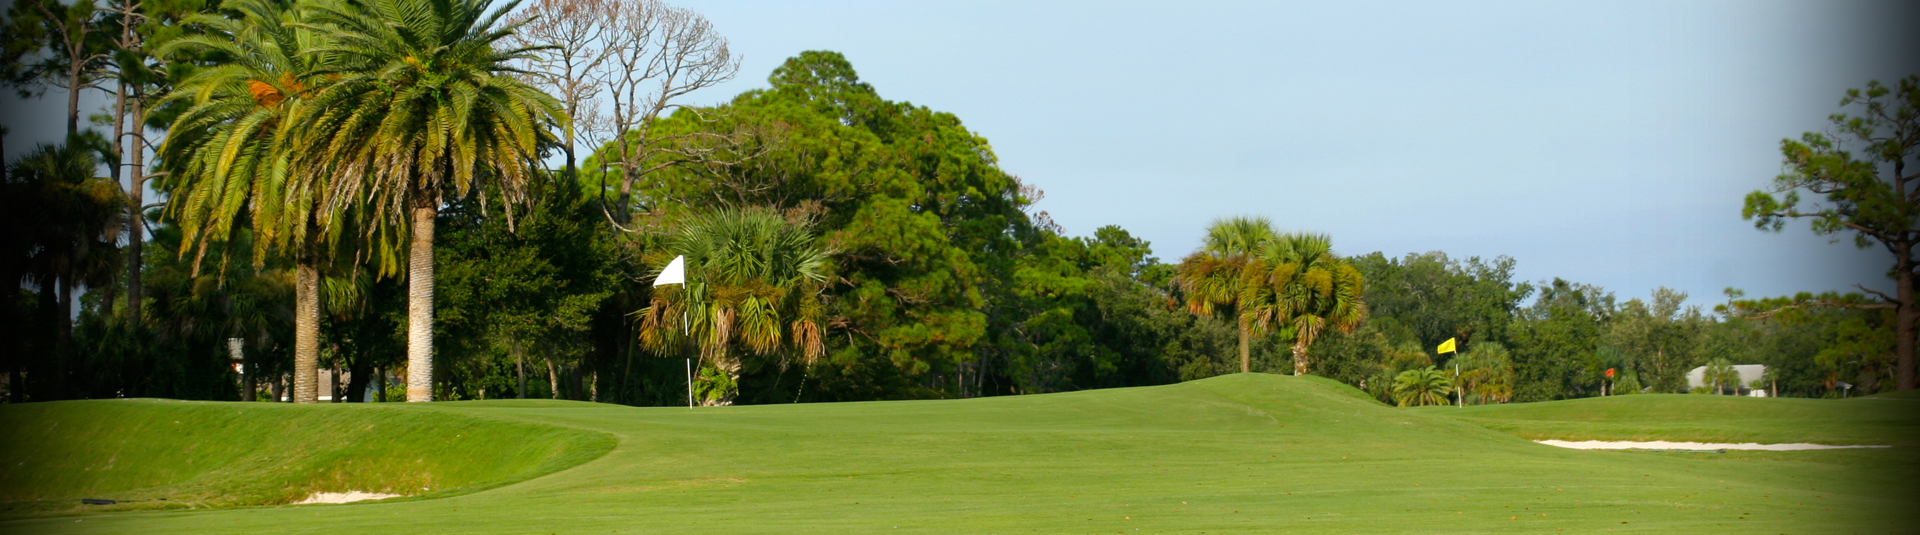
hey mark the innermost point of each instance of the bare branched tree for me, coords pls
(618, 66)
(660, 53)
(569, 59)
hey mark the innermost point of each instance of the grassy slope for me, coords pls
(1236, 454)
(225, 454)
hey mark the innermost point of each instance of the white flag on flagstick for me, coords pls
(674, 273)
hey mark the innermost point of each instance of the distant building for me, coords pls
(1749, 373)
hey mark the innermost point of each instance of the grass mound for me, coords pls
(169, 454)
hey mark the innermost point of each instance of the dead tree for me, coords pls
(660, 54)
(568, 56)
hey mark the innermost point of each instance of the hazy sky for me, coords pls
(1606, 143)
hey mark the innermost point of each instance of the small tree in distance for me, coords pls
(1720, 374)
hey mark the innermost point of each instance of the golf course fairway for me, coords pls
(1246, 453)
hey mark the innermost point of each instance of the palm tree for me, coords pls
(420, 107)
(1212, 277)
(231, 151)
(1720, 374)
(753, 286)
(69, 240)
(1296, 285)
(1415, 388)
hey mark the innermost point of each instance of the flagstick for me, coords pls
(685, 332)
(676, 273)
(1459, 398)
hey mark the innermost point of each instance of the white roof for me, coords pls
(1748, 374)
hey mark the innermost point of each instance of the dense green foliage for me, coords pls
(63, 222)
(941, 284)
(514, 294)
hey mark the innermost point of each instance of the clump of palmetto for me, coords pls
(1422, 387)
(753, 284)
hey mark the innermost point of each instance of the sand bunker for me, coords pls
(344, 497)
(1664, 445)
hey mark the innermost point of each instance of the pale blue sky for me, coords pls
(1606, 143)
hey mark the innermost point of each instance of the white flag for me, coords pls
(674, 273)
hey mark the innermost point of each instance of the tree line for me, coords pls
(365, 187)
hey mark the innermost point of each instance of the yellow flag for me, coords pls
(1445, 347)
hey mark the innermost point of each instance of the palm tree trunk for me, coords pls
(136, 221)
(63, 339)
(336, 387)
(1299, 359)
(236, 353)
(306, 332)
(420, 306)
(358, 375)
(1906, 318)
(1246, 352)
(114, 168)
(553, 380)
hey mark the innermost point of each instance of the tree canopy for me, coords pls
(382, 170)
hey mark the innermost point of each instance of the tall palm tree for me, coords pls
(1296, 285)
(753, 286)
(230, 153)
(1212, 277)
(420, 107)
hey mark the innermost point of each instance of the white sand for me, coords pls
(1664, 445)
(344, 497)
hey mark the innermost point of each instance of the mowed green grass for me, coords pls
(1245, 453)
(173, 454)
(1882, 420)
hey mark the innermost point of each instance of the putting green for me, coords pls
(1245, 453)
